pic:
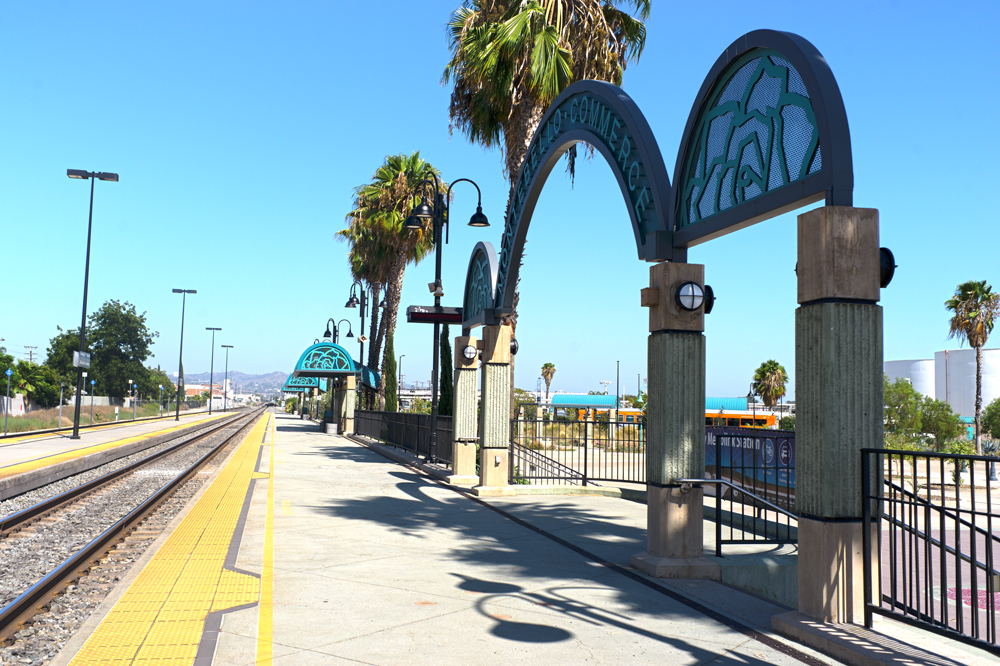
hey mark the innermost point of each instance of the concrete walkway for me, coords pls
(377, 563)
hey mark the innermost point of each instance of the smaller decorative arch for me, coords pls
(767, 134)
(324, 359)
(480, 286)
(299, 384)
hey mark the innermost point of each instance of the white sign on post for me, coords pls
(81, 359)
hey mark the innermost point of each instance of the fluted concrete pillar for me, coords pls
(350, 396)
(675, 430)
(466, 422)
(839, 402)
(494, 413)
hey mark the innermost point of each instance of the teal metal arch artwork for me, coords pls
(767, 133)
(297, 384)
(758, 133)
(480, 284)
(324, 359)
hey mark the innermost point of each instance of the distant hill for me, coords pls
(272, 381)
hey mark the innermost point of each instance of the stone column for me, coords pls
(675, 433)
(350, 395)
(466, 422)
(839, 402)
(494, 413)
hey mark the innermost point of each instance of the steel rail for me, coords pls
(14, 520)
(56, 431)
(24, 607)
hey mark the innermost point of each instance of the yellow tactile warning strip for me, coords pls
(265, 618)
(38, 463)
(166, 614)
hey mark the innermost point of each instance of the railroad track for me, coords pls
(67, 507)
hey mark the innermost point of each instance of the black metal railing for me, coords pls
(577, 452)
(931, 557)
(752, 485)
(407, 431)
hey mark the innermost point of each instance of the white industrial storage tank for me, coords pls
(920, 373)
(955, 378)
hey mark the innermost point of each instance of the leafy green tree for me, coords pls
(60, 357)
(420, 406)
(375, 229)
(975, 308)
(902, 407)
(37, 383)
(7, 363)
(526, 400)
(446, 397)
(991, 419)
(786, 423)
(389, 380)
(149, 385)
(937, 419)
(769, 382)
(121, 343)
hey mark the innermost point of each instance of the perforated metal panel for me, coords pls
(757, 132)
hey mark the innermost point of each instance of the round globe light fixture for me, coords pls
(690, 296)
(470, 352)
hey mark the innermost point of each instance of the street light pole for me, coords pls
(82, 175)
(131, 397)
(225, 387)
(399, 381)
(180, 361)
(211, 369)
(439, 214)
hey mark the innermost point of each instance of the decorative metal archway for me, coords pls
(767, 133)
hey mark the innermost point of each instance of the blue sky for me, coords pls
(240, 129)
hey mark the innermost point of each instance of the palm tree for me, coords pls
(510, 59)
(376, 233)
(769, 382)
(548, 372)
(975, 309)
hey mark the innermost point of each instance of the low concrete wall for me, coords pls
(22, 483)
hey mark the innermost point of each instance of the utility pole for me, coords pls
(31, 353)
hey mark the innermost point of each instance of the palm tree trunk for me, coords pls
(979, 398)
(393, 293)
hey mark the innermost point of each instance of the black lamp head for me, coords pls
(423, 210)
(479, 220)
(328, 334)
(352, 302)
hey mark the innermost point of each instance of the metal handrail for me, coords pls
(723, 482)
(915, 530)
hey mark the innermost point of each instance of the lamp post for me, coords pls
(83, 175)
(180, 361)
(159, 402)
(750, 398)
(211, 370)
(6, 404)
(353, 302)
(438, 213)
(399, 381)
(92, 382)
(131, 398)
(336, 331)
(225, 387)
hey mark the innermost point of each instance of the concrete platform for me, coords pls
(322, 551)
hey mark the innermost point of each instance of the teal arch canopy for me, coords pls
(298, 384)
(324, 359)
(480, 284)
